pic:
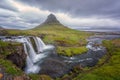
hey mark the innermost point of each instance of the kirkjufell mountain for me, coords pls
(52, 22)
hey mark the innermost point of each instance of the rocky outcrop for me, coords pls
(51, 19)
(54, 68)
(18, 57)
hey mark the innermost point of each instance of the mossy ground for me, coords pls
(10, 68)
(110, 64)
(7, 48)
(70, 51)
(40, 77)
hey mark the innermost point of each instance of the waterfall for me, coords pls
(40, 44)
(32, 56)
(33, 59)
(41, 47)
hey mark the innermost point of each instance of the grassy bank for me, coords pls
(7, 48)
(108, 67)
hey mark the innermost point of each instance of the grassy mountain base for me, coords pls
(60, 36)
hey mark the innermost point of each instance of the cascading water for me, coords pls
(40, 44)
(33, 59)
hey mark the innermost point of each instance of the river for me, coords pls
(47, 61)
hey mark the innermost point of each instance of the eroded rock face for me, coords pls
(54, 68)
(18, 57)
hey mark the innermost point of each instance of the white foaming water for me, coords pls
(40, 44)
(32, 56)
(41, 47)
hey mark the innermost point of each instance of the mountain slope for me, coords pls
(51, 23)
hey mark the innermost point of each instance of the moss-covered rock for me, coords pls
(10, 67)
(14, 52)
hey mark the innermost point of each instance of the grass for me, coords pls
(10, 67)
(111, 69)
(70, 51)
(7, 48)
(39, 77)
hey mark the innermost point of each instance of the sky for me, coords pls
(26, 14)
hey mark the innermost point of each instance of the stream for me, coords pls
(46, 61)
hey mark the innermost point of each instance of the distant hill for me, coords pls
(1, 27)
(51, 23)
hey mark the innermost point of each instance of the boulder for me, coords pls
(54, 68)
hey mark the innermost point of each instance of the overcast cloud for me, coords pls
(23, 14)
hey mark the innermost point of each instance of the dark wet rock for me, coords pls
(89, 63)
(54, 68)
(18, 57)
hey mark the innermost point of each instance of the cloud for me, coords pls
(5, 4)
(22, 14)
(86, 8)
(89, 21)
(26, 17)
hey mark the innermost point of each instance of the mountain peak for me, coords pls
(51, 19)
(51, 22)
